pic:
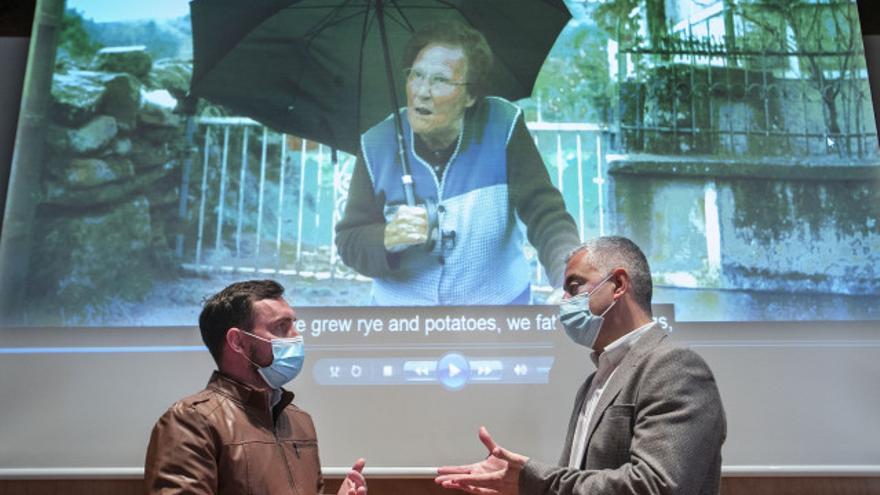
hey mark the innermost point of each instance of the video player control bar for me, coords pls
(452, 370)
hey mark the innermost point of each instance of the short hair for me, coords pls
(454, 33)
(610, 252)
(233, 307)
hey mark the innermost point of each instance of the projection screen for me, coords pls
(735, 144)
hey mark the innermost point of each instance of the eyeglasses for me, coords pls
(437, 84)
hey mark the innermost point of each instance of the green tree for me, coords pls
(620, 19)
(74, 40)
(825, 35)
(574, 84)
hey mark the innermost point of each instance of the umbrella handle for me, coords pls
(408, 189)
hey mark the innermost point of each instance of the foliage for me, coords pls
(163, 39)
(619, 19)
(74, 40)
(576, 83)
(814, 31)
(575, 86)
(800, 25)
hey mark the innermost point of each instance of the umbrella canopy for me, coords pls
(316, 68)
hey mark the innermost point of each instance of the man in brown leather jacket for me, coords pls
(241, 434)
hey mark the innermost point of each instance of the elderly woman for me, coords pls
(475, 169)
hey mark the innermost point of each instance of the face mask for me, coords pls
(287, 360)
(579, 323)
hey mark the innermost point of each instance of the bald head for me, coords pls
(610, 252)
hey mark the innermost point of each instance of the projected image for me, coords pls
(166, 152)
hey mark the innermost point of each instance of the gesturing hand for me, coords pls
(496, 474)
(354, 482)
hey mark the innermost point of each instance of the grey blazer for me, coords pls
(658, 429)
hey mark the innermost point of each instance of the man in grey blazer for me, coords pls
(648, 421)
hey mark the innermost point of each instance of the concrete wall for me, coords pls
(772, 227)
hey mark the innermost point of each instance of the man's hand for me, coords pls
(497, 474)
(408, 227)
(354, 482)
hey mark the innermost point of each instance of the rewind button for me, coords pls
(420, 371)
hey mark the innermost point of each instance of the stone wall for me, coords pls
(109, 190)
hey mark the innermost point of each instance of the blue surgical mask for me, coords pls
(288, 356)
(580, 324)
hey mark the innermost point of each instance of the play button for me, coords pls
(453, 371)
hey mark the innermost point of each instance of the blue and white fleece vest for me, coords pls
(486, 263)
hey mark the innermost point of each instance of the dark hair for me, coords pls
(610, 252)
(476, 49)
(233, 307)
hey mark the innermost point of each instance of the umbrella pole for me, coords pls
(406, 178)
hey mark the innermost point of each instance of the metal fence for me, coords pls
(265, 202)
(701, 97)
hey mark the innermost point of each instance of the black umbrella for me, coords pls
(325, 70)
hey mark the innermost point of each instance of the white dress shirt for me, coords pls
(606, 364)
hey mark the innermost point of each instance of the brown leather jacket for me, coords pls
(226, 440)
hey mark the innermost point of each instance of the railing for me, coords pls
(259, 201)
(701, 97)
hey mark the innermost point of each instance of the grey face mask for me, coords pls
(581, 325)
